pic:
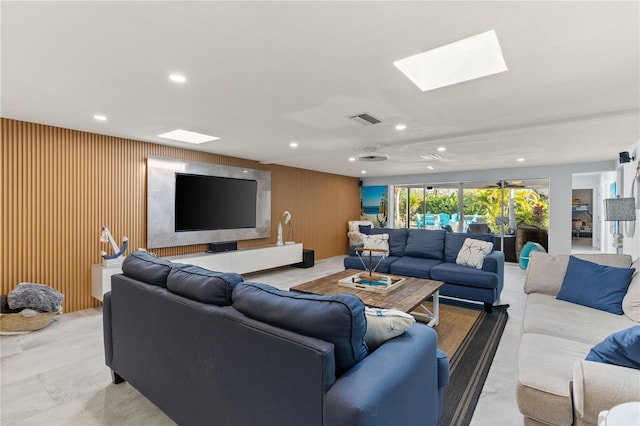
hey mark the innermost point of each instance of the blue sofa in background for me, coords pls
(211, 349)
(431, 254)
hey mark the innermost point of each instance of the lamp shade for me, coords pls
(619, 209)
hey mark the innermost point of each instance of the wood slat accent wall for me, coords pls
(59, 186)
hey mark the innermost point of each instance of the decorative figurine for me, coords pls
(279, 241)
(113, 259)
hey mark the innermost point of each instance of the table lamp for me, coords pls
(619, 210)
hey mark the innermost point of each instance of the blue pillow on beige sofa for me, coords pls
(621, 348)
(596, 286)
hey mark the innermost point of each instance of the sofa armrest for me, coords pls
(395, 384)
(494, 262)
(352, 249)
(598, 386)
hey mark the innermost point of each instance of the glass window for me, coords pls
(498, 207)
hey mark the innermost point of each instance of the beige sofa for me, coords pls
(555, 384)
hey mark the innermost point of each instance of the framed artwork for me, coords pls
(373, 204)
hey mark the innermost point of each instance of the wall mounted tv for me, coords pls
(214, 202)
(190, 203)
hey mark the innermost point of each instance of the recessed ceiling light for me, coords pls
(352, 158)
(430, 167)
(187, 136)
(401, 126)
(177, 78)
(100, 117)
(463, 60)
(364, 172)
(442, 149)
(293, 144)
(520, 160)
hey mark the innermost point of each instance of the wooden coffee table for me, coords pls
(407, 298)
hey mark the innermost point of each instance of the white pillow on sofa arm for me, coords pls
(631, 300)
(385, 324)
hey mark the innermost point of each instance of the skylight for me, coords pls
(464, 60)
(187, 136)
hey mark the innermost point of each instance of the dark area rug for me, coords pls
(470, 365)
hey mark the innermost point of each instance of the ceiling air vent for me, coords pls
(431, 156)
(365, 119)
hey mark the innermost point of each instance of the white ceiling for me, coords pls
(264, 74)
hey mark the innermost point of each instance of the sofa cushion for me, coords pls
(385, 324)
(414, 267)
(473, 252)
(425, 243)
(337, 318)
(454, 240)
(545, 368)
(620, 348)
(631, 301)
(378, 242)
(464, 275)
(397, 239)
(545, 314)
(145, 267)
(202, 284)
(596, 286)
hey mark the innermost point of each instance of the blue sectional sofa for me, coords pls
(432, 254)
(211, 349)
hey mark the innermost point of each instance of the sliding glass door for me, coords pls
(500, 207)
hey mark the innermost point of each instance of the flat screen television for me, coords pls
(214, 202)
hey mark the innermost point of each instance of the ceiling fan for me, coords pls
(505, 184)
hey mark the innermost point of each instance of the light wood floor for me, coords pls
(57, 376)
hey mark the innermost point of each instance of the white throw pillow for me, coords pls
(473, 252)
(385, 324)
(379, 241)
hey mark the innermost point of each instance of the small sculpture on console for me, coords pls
(116, 258)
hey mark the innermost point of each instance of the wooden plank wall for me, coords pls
(59, 186)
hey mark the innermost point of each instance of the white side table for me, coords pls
(627, 414)
(101, 279)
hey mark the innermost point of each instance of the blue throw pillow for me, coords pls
(365, 229)
(336, 318)
(596, 286)
(621, 348)
(425, 243)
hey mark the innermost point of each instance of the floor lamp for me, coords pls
(619, 210)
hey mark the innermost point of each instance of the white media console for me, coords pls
(241, 261)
